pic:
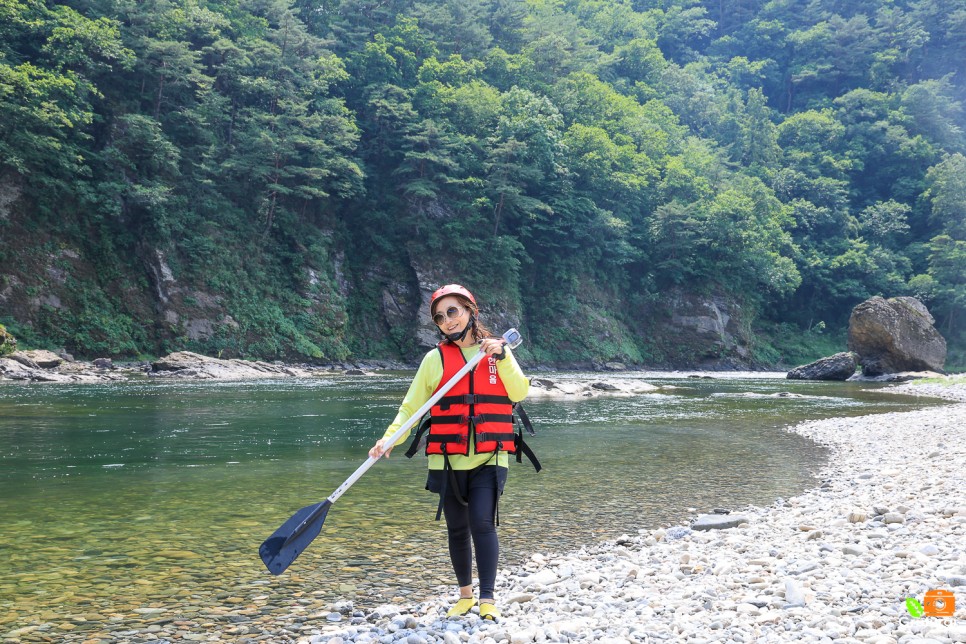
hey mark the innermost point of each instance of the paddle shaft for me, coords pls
(417, 415)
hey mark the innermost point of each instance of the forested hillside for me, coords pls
(286, 178)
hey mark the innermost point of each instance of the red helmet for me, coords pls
(450, 289)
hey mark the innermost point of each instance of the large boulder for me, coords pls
(840, 366)
(895, 335)
(37, 358)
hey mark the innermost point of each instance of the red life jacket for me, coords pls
(480, 399)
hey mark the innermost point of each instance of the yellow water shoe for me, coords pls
(490, 612)
(462, 607)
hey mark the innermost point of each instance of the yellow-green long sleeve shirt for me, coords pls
(425, 383)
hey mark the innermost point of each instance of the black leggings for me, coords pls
(476, 520)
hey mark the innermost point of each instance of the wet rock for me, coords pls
(840, 366)
(604, 386)
(178, 554)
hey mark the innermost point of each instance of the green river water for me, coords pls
(117, 499)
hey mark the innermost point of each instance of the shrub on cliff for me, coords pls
(8, 343)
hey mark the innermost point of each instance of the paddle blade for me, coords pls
(288, 542)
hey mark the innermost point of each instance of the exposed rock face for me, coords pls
(427, 334)
(840, 366)
(707, 327)
(185, 364)
(10, 190)
(37, 358)
(895, 335)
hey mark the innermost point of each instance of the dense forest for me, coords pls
(284, 178)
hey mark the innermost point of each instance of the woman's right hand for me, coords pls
(378, 451)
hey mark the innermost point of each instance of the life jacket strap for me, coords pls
(523, 448)
(472, 399)
(500, 437)
(479, 419)
(415, 444)
(524, 419)
(449, 480)
(446, 438)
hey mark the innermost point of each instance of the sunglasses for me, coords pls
(451, 313)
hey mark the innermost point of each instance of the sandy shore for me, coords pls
(835, 564)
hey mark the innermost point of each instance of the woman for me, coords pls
(470, 435)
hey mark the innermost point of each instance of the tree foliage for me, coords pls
(799, 157)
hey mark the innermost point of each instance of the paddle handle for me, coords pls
(512, 338)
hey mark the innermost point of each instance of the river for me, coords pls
(117, 499)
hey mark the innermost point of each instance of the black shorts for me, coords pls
(489, 476)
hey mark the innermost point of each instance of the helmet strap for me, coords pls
(458, 337)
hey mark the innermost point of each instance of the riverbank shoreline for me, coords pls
(37, 367)
(835, 563)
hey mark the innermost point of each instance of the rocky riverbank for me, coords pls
(834, 564)
(46, 366)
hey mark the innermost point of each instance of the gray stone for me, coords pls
(718, 521)
(604, 386)
(895, 335)
(677, 532)
(840, 366)
(794, 594)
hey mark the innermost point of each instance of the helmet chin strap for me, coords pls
(458, 337)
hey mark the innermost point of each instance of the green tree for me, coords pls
(946, 194)
(50, 60)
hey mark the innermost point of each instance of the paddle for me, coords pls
(294, 536)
